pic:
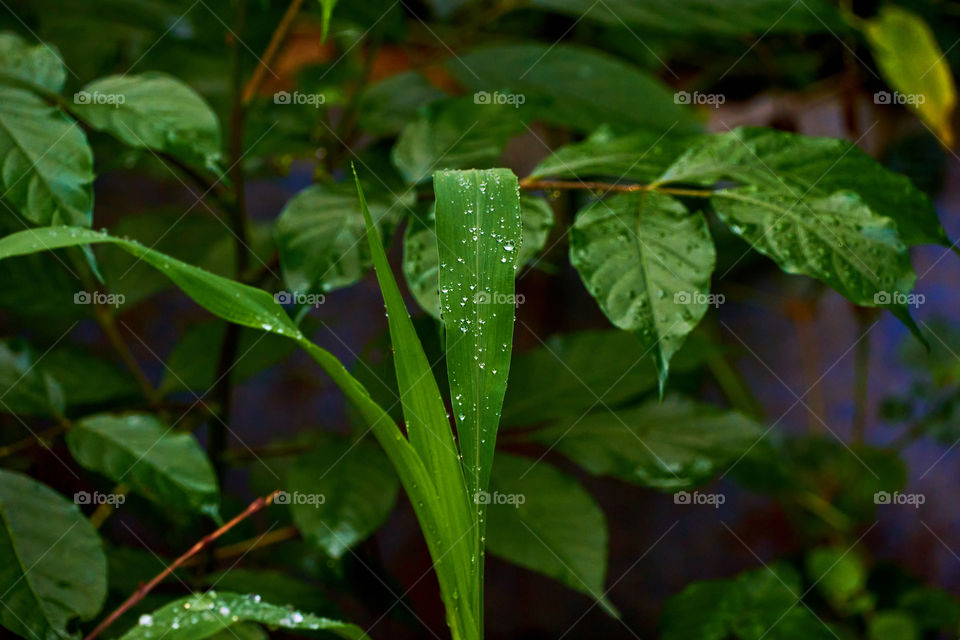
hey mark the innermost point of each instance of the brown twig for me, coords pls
(527, 183)
(140, 593)
(279, 35)
(242, 547)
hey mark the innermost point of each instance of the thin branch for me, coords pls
(204, 542)
(240, 548)
(279, 35)
(527, 183)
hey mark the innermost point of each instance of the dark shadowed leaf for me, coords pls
(26, 388)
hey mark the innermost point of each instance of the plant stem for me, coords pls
(527, 183)
(273, 47)
(861, 372)
(204, 542)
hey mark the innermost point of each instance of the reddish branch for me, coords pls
(527, 183)
(279, 35)
(140, 593)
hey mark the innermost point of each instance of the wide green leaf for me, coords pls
(340, 493)
(200, 616)
(26, 388)
(544, 520)
(574, 87)
(47, 164)
(153, 111)
(453, 134)
(320, 235)
(479, 236)
(689, 17)
(669, 445)
(640, 155)
(421, 257)
(388, 105)
(805, 167)
(139, 450)
(910, 60)
(52, 566)
(35, 64)
(647, 261)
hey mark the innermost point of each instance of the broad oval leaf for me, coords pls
(320, 235)
(200, 616)
(35, 64)
(836, 239)
(647, 261)
(139, 450)
(153, 111)
(479, 236)
(25, 388)
(810, 167)
(52, 565)
(340, 493)
(544, 520)
(47, 164)
(388, 105)
(912, 63)
(574, 87)
(421, 258)
(669, 445)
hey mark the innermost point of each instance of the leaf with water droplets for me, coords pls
(421, 259)
(647, 261)
(202, 615)
(479, 235)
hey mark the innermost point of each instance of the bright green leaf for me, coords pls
(153, 111)
(544, 520)
(670, 445)
(47, 164)
(340, 493)
(52, 566)
(38, 64)
(912, 63)
(839, 575)
(892, 625)
(200, 616)
(647, 261)
(139, 450)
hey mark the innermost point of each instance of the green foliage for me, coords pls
(52, 566)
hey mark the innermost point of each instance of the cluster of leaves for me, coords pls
(657, 191)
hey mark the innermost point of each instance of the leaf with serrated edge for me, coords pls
(647, 261)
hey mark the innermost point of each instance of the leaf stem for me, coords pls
(527, 183)
(204, 542)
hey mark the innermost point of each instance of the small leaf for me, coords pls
(153, 111)
(200, 616)
(47, 164)
(52, 565)
(545, 521)
(25, 388)
(885, 625)
(348, 492)
(38, 64)
(453, 134)
(327, 7)
(912, 63)
(672, 445)
(840, 576)
(479, 236)
(139, 450)
(647, 261)
(421, 258)
(320, 235)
